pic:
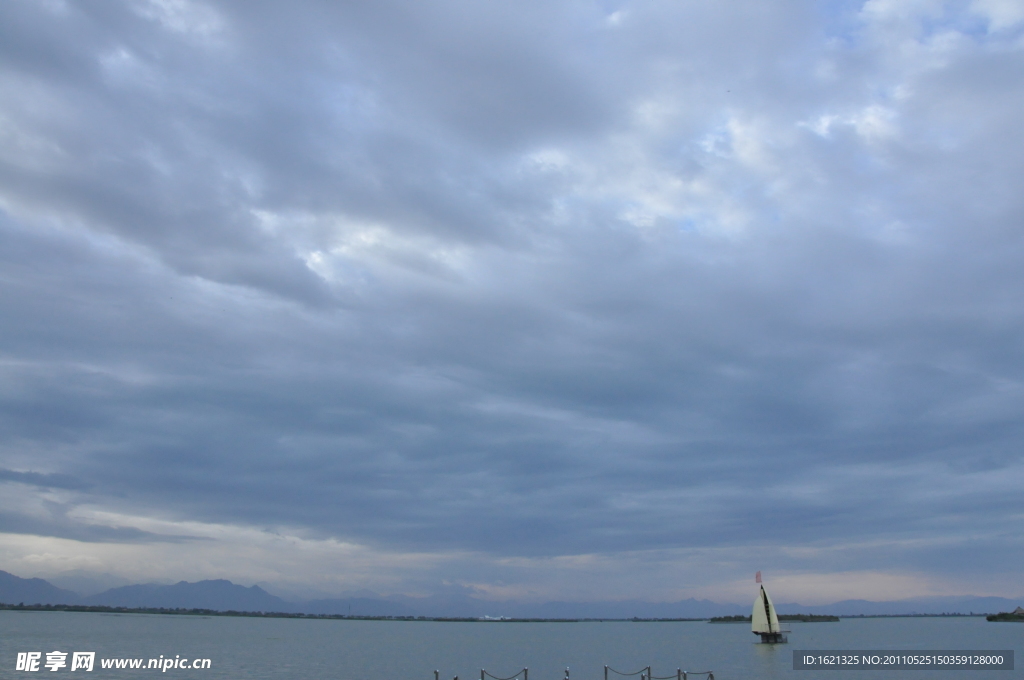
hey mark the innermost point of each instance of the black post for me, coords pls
(481, 674)
(435, 674)
(605, 673)
(566, 673)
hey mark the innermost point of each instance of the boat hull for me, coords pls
(773, 638)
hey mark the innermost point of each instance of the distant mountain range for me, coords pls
(33, 590)
(224, 595)
(220, 595)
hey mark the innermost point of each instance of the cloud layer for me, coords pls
(489, 291)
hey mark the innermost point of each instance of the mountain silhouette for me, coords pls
(223, 595)
(17, 590)
(219, 594)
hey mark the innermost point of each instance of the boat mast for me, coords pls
(767, 610)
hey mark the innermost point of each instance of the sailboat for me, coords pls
(764, 621)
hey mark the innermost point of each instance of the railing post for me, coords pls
(436, 674)
(605, 672)
(679, 674)
(481, 674)
(526, 673)
(566, 673)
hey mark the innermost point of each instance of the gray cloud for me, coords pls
(47, 481)
(530, 281)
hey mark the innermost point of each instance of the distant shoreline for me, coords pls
(97, 609)
(1006, 617)
(803, 618)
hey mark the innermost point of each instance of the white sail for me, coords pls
(764, 619)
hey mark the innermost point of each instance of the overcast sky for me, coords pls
(578, 300)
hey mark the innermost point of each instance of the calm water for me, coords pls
(397, 650)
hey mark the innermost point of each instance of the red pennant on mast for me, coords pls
(757, 578)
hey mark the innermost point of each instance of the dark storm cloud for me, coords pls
(533, 279)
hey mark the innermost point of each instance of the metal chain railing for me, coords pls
(644, 673)
(525, 673)
(682, 675)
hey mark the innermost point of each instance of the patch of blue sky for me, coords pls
(840, 19)
(688, 224)
(843, 21)
(956, 17)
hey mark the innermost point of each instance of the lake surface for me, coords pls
(401, 650)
